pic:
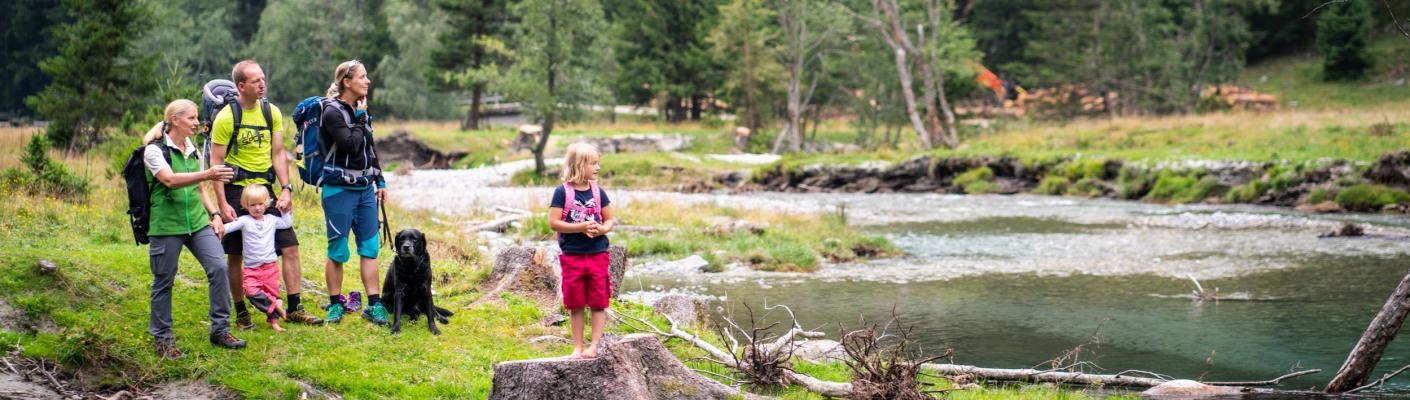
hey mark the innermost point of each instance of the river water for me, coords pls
(1013, 281)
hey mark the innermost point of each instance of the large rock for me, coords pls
(634, 367)
(402, 148)
(1391, 169)
(1186, 389)
(685, 310)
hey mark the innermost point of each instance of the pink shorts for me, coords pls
(587, 280)
(262, 286)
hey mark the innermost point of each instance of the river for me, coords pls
(1013, 281)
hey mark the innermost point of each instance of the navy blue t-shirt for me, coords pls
(580, 243)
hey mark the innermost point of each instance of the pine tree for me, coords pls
(96, 78)
(472, 51)
(559, 62)
(1342, 31)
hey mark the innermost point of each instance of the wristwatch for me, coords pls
(214, 213)
(288, 187)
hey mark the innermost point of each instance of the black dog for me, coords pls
(407, 289)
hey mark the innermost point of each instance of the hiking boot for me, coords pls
(227, 340)
(342, 299)
(375, 314)
(300, 316)
(244, 322)
(354, 301)
(166, 348)
(335, 313)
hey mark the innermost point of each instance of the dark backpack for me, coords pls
(313, 155)
(139, 190)
(216, 95)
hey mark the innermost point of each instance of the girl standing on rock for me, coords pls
(582, 223)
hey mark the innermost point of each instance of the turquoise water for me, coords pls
(1011, 282)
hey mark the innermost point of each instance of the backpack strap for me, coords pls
(597, 199)
(236, 113)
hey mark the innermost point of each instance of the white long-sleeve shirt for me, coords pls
(259, 236)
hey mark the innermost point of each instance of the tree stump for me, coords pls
(635, 367)
(533, 273)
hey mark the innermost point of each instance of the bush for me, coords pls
(1133, 183)
(1247, 193)
(1370, 197)
(1319, 195)
(1168, 186)
(1090, 187)
(46, 176)
(976, 181)
(1053, 185)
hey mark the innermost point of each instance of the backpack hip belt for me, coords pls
(243, 174)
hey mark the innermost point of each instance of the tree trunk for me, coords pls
(1372, 346)
(696, 103)
(790, 135)
(895, 37)
(472, 116)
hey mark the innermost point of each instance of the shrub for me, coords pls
(1090, 187)
(1133, 182)
(975, 181)
(47, 175)
(1319, 195)
(1053, 185)
(1370, 197)
(1247, 193)
(1168, 186)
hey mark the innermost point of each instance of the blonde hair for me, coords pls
(237, 74)
(344, 71)
(174, 109)
(575, 162)
(254, 194)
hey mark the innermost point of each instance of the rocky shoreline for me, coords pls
(1323, 186)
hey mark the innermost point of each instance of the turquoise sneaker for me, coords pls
(376, 314)
(335, 314)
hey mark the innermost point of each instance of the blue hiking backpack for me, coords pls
(315, 159)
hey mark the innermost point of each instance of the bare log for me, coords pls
(500, 224)
(1273, 381)
(1372, 346)
(1034, 375)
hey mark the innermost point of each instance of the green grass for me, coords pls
(1297, 79)
(1366, 197)
(99, 302)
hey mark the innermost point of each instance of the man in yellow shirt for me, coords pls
(252, 144)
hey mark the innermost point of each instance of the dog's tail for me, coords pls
(444, 312)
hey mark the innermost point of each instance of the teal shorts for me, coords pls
(351, 212)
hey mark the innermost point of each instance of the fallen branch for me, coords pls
(1033, 375)
(1378, 382)
(826, 388)
(1274, 381)
(499, 224)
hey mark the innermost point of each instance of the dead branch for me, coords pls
(1033, 375)
(1274, 381)
(1378, 382)
(826, 388)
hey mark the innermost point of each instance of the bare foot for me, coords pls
(274, 323)
(577, 353)
(591, 352)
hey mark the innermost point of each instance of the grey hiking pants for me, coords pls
(165, 251)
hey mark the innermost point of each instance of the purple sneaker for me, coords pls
(354, 301)
(343, 299)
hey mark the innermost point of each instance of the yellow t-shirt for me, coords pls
(255, 145)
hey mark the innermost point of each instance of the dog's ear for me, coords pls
(420, 243)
